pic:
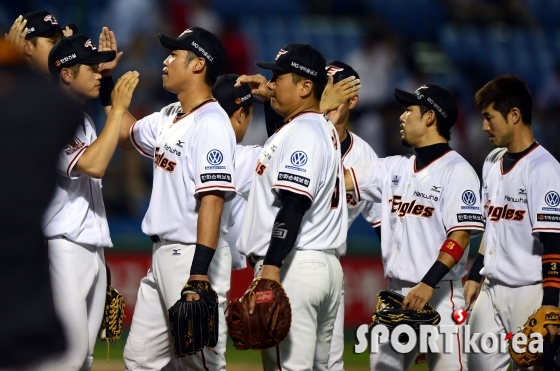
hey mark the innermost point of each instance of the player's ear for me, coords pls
(27, 48)
(514, 115)
(430, 118)
(306, 88)
(199, 65)
(353, 102)
(66, 75)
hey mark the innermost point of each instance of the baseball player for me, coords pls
(75, 224)
(35, 34)
(430, 207)
(520, 251)
(192, 143)
(295, 204)
(354, 151)
(238, 102)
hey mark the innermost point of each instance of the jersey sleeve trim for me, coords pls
(553, 230)
(355, 182)
(215, 187)
(466, 228)
(376, 224)
(135, 144)
(295, 190)
(75, 161)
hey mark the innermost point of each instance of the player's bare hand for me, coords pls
(122, 92)
(336, 94)
(258, 84)
(108, 41)
(17, 33)
(334, 115)
(418, 297)
(193, 296)
(472, 289)
(67, 31)
(553, 330)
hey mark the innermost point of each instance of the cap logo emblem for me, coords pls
(332, 70)
(57, 63)
(32, 29)
(282, 51)
(238, 101)
(65, 59)
(184, 32)
(90, 45)
(50, 18)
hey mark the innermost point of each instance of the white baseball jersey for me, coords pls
(518, 204)
(302, 157)
(359, 152)
(420, 209)
(192, 153)
(245, 163)
(76, 211)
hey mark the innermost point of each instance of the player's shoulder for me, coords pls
(539, 159)
(495, 156)
(397, 162)
(359, 144)
(456, 162)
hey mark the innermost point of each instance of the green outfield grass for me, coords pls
(248, 358)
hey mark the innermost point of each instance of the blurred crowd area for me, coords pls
(459, 44)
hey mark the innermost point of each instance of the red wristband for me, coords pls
(452, 248)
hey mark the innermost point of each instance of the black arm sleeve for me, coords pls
(551, 268)
(286, 227)
(477, 265)
(273, 120)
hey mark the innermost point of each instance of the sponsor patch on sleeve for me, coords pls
(294, 179)
(464, 218)
(216, 177)
(555, 218)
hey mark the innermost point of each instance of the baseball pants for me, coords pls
(149, 345)
(448, 296)
(313, 282)
(336, 362)
(501, 309)
(79, 285)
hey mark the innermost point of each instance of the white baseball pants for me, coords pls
(149, 345)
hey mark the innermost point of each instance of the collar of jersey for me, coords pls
(180, 115)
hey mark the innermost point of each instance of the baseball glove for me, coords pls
(535, 324)
(270, 322)
(111, 326)
(194, 324)
(389, 313)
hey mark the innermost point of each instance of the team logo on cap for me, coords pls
(184, 32)
(281, 52)
(332, 70)
(57, 63)
(89, 44)
(50, 18)
(552, 199)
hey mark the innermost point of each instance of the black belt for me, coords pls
(155, 238)
(254, 259)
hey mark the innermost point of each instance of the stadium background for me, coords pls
(459, 44)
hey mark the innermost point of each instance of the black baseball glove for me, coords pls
(389, 313)
(194, 324)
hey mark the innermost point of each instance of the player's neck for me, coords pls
(191, 99)
(305, 106)
(521, 142)
(341, 131)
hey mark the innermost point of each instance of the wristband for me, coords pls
(107, 85)
(201, 260)
(435, 274)
(477, 265)
(452, 248)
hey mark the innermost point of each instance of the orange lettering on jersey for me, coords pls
(410, 208)
(260, 168)
(350, 200)
(163, 163)
(495, 213)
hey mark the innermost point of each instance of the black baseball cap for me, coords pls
(435, 98)
(339, 71)
(230, 97)
(44, 24)
(201, 42)
(74, 49)
(301, 59)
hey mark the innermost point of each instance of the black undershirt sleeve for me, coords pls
(286, 227)
(551, 268)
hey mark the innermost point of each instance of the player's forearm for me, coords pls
(450, 254)
(96, 158)
(124, 137)
(209, 216)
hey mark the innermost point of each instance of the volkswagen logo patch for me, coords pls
(214, 157)
(552, 199)
(299, 158)
(469, 198)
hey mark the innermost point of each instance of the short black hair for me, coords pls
(444, 132)
(317, 88)
(504, 93)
